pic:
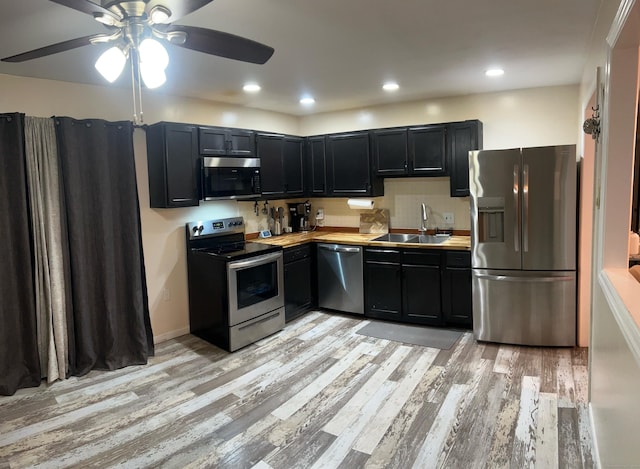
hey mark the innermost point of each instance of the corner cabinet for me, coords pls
(463, 137)
(222, 141)
(316, 171)
(350, 169)
(281, 165)
(173, 164)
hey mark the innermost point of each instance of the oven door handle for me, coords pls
(254, 261)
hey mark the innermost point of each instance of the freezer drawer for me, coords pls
(524, 307)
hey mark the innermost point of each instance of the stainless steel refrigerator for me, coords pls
(523, 245)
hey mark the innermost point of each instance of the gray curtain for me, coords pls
(44, 197)
(19, 362)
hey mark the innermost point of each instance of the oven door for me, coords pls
(230, 178)
(256, 286)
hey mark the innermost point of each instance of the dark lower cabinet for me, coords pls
(403, 285)
(418, 286)
(456, 291)
(383, 283)
(421, 285)
(299, 296)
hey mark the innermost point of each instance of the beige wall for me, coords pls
(531, 117)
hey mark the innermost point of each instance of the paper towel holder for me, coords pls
(360, 204)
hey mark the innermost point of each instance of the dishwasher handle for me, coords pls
(338, 248)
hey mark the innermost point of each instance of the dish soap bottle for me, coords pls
(634, 243)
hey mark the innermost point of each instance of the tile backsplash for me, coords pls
(403, 197)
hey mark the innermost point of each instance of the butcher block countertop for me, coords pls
(455, 242)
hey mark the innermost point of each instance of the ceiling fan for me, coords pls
(134, 28)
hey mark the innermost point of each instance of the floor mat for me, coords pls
(416, 335)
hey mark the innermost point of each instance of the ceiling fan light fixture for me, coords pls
(104, 19)
(159, 14)
(153, 54)
(111, 63)
(151, 76)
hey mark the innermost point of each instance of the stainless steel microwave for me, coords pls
(230, 178)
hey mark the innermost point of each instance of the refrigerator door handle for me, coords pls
(516, 202)
(525, 194)
(506, 278)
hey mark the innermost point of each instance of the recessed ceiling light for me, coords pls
(494, 72)
(251, 87)
(390, 86)
(307, 101)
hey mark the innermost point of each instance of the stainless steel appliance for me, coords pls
(299, 216)
(230, 178)
(340, 278)
(236, 288)
(523, 245)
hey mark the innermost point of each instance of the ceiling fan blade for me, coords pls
(222, 44)
(178, 8)
(88, 7)
(53, 48)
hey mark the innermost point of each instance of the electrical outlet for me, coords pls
(320, 214)
(166, 294)
(448, 218)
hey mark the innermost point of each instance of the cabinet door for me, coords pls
(349, 170)
(172, 157)
(421, 294)
(317, 174)
(298, 296)
(463, 137)
(457, 298)
(271, 171)
(427, 150)
(383, 287)
(212, 141)
(241, 142)
(292, 155)
(390, 152)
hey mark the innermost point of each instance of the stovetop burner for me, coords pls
(224, 239)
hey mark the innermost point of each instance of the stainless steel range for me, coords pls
(236, 288)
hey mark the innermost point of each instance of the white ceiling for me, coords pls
(339, 51)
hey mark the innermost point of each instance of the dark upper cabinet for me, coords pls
(221, 141)
(281, 165)
(456, 289)
(412, 151)
(350, 169)
(428, 150)
(173, 164)
(316, 173)
(463, 137)
(390, 152)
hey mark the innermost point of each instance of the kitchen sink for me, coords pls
(398, 238)
(432, 239)
(412, 238)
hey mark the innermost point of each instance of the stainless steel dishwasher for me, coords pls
(340, 283)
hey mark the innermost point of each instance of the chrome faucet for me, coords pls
(423, 219)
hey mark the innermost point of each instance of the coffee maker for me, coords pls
(299, 216)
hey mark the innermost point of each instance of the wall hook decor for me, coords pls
(591, 126)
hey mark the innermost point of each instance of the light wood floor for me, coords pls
(316, 395)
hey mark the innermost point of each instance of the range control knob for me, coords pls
(198, 229)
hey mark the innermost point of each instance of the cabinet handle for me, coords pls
(184, 199)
